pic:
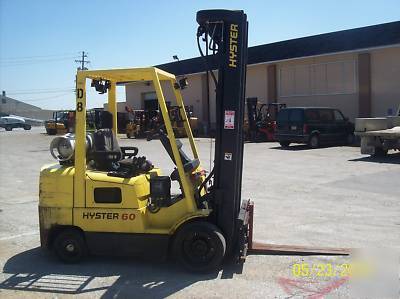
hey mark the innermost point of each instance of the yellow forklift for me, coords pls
(111, 196)
(103, 198)
(177, 121)
(142, 123)
(61, 122)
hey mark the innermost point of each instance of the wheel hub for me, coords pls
(314, 141)
(70, 247)
(199, 247)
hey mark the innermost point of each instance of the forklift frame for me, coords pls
(127, 75)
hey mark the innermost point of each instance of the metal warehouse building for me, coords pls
(356, 70)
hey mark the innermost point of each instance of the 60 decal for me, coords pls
(128, 216)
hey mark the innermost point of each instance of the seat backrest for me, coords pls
(106, 150)
(104, 140)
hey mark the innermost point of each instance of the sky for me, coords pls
(40, 40)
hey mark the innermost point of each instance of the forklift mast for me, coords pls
(226, 30)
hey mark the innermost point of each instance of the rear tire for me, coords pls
(27, 127)
(8, 128)
(284, 143)
(199, 246)
(70, 246)
(314, 141)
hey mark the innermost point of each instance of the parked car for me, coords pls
(11, 122)
(313, 126)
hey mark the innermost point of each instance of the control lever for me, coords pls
(127, 154)
(152, 135)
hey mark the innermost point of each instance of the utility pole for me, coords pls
(82, 61)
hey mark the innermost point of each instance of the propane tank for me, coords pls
(62, 148)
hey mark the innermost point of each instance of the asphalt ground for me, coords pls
(327, 197)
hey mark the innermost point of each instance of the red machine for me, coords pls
(262, 120)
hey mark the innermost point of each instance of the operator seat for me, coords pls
(108, 156)
(106, 151)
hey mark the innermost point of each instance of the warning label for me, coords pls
(229, 122)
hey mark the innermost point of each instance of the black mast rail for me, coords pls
(227, 32)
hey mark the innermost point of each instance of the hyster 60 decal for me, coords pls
(108, 216)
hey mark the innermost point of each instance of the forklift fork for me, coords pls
(258, 248)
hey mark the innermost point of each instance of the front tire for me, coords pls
(70, 246)
(27, 127)
(8, 128)
(199, 246)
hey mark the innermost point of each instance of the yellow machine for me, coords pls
(101, 197)
(60, 123)
(177, 122)
(64, 121)
(84, 203)
(132, 129)
(142, 123)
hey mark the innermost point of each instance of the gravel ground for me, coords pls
(332, 197)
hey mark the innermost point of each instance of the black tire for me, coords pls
(314, 142)
(27, 127)
(199, 247)
(70, 246)
(51, 131)
(284, 143)
(380, 152)
(8, 128)
(128, 135)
